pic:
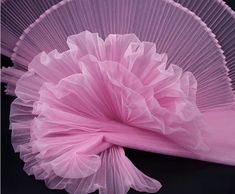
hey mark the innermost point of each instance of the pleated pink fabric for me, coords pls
(76, 103)
(92, 81)
(75, 109)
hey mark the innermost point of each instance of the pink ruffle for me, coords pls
(74, 109)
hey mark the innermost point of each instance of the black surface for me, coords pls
(178, 175)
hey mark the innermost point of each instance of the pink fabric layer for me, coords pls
(76, 110)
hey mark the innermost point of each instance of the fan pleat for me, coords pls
(16, 17)
(175, 30)
(221, 20)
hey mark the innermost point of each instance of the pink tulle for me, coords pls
(78, 106)
(75, 109)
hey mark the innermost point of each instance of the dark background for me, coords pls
(177, 175)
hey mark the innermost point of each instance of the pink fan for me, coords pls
(94, 76)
